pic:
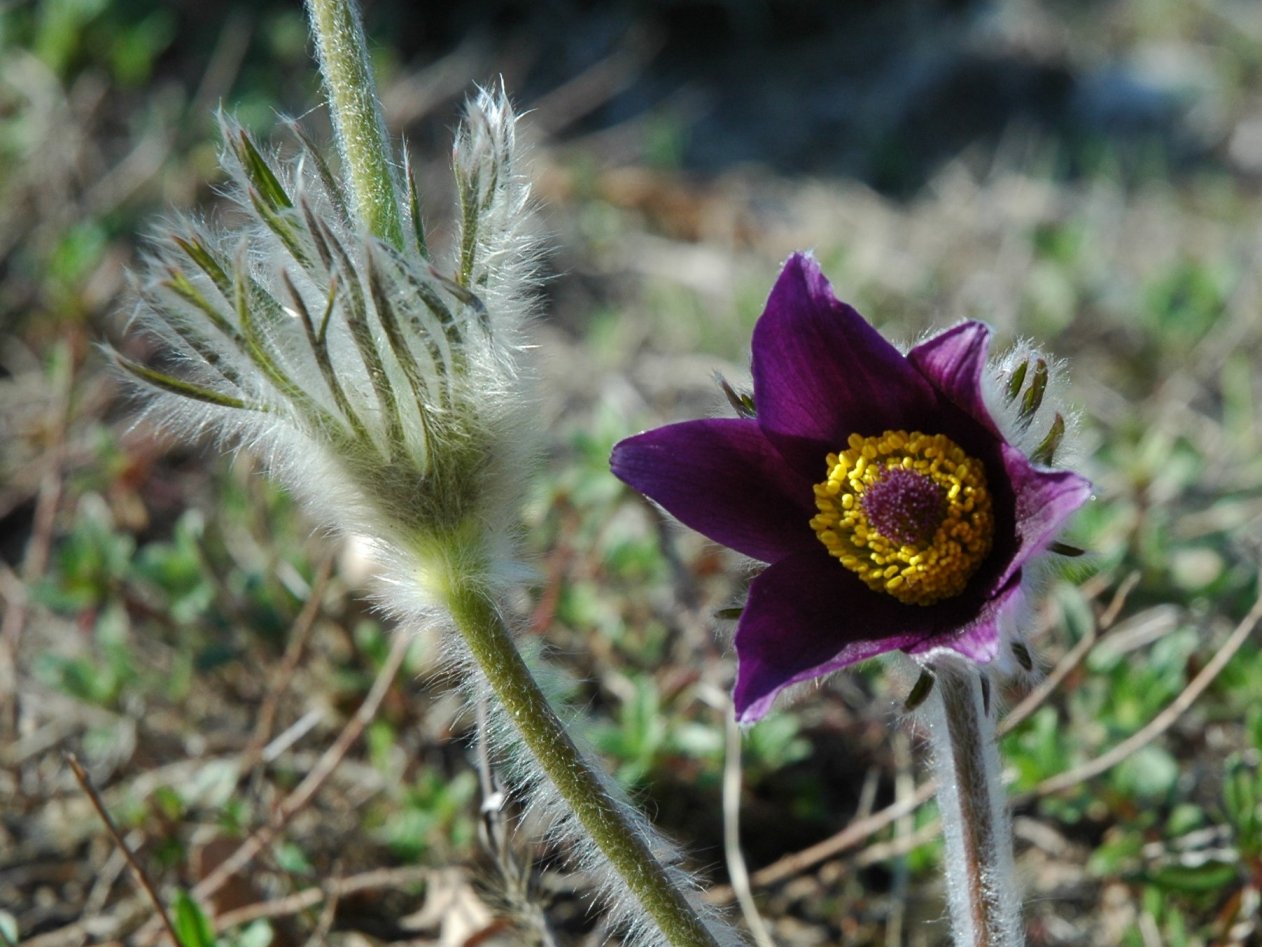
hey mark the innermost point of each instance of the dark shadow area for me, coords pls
(886, 93)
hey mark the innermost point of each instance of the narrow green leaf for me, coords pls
(1032, 400)
(361, 332)
(1240, 798)
(414, 208)
(1211, 876)
(180, 386)
(466, 296)
(399, 345)
(206, 350)
(921, 690)
(741, 402)
(260, 173)
(1017, 379)
(257, 350)
(467, 193)
(206, 262)
(320, 351)
(183, 287)
(316, 229)
(488, 196)
(332, 187)
(1022, 654)
(285, 232)
(429, 296)
(1064, 549)
(1045, 453)
(329, 306)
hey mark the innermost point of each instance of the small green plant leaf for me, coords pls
(1212, 876)
(192, 925)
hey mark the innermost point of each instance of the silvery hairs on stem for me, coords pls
(383, 386)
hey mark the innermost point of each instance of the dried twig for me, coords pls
(85, 783)
(853, 834)
(311, 897)
(278, 682)
(327, 913)
(732, 834)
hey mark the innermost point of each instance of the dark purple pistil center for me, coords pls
(905, 506)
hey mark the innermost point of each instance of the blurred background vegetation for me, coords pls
(1085, 174)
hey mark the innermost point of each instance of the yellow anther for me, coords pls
(907, 512)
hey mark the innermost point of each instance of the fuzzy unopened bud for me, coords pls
(383, 387)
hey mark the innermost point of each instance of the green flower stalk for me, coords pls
(357, 120)
(384, 385)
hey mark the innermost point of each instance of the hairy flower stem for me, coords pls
(357, 119)
(543, 733)
(980, 872)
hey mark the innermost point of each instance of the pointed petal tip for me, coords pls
(801, 263)
(750, 710)
(954, 362)
(803, 270)
(821, 371)
(721, 477)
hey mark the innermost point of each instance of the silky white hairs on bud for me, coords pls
(497, 242)
(1045, 431)
(384, 388)
(1026, 430)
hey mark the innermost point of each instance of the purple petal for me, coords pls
(953, 361)
(822, 373)
(978, 639)
(1045, 500)
(807, 616)
(724, 479)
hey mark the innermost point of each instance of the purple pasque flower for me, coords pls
(893, 513)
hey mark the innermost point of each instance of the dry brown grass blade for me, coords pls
(731, 833)
(311, 897)
(299, 634)
(142, 877)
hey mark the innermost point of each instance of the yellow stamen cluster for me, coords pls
(909, 513)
